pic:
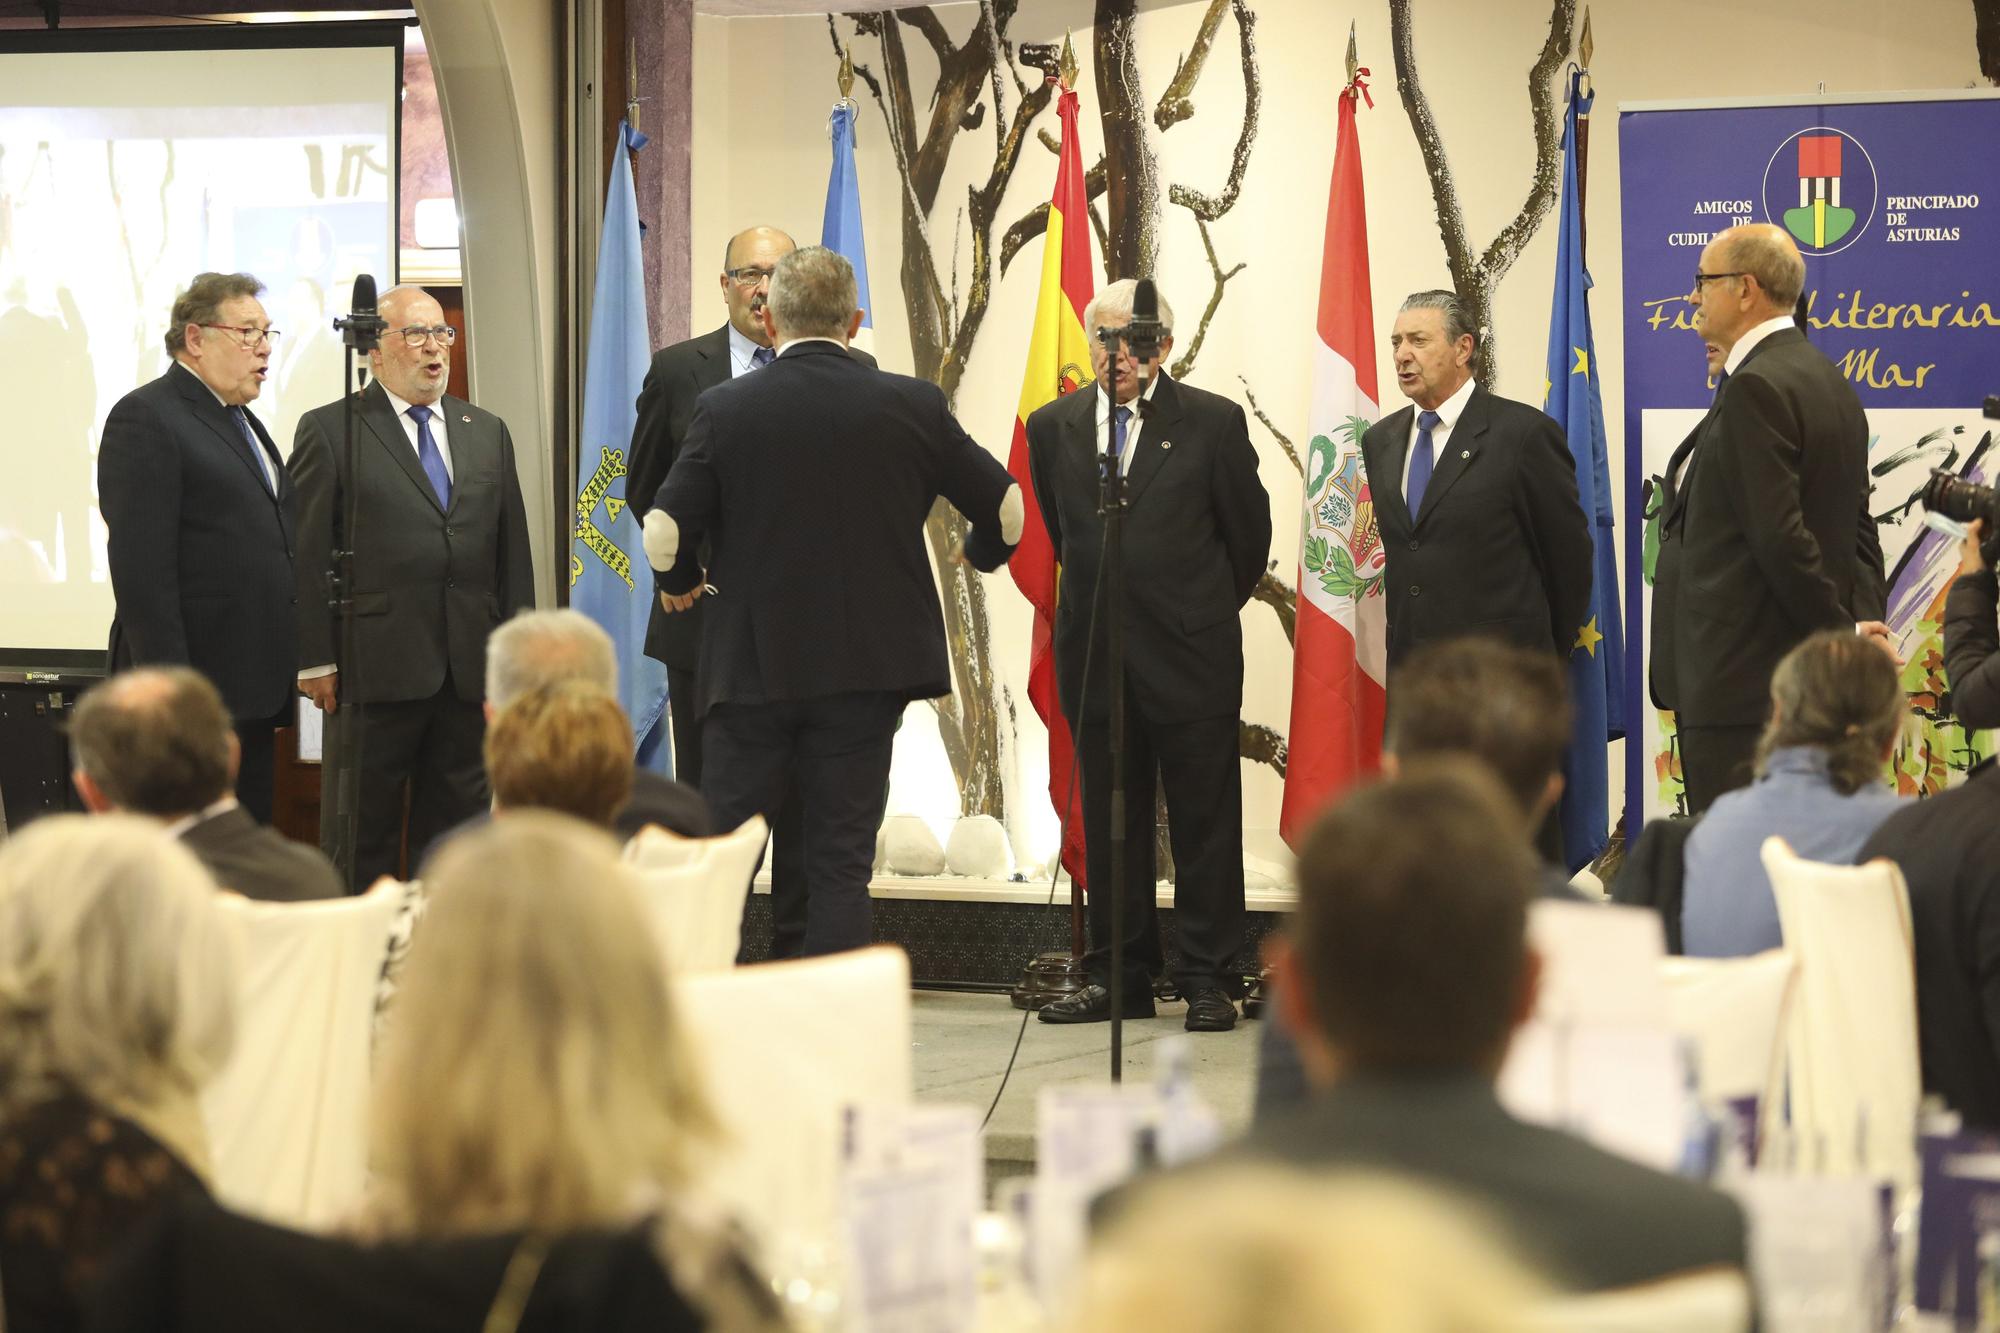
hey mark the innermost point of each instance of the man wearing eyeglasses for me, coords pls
(440, 560)
(201, 520)
(1765, 534)
(679, 375)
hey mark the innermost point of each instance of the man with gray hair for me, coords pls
(1196, 536)
(812, 481)
(201, 521)
(1765, 534)
(156, 741)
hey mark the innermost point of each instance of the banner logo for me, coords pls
(1820, 186)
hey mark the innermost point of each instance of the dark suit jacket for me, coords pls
(1501, 547)
(1972, 648)
(201, 552)
(1949, 849)
(1767, 537)
(429, 585)
(1197, 533)
(1592, 1220)
(679, 375)
(812, 480)
(260, 862)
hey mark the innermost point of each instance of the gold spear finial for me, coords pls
(1353, 55)
(1586, 45)
(1068, 68)
(846, 76)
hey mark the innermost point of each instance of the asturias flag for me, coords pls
(840, 229)
(1340, 651)
(1058, 361)
(1597, 660)
(609, 580)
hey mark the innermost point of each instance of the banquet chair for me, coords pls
(1733, 1009)
(1712, 1300)
(287, 1116)
(695, 889)
(786, 1048)
(1853, 1083)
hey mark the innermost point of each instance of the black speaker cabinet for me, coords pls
(34, 744)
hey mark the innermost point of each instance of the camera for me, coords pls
(1962, 500)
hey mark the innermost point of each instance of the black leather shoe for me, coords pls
(1211, 1010)
(1092, 1004)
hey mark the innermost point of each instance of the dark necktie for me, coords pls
(237, 415)
(1120, 416)
(1421, 462)
(763, 356)
(429, 457)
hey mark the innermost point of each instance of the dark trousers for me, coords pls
(1716, 761)
(1197, 765)
(257, 771)
(432, 746)
(830, 757)
(787, 848)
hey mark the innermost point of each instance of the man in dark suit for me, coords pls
(156, 741)
(1765, 534)
(1405, 972)
(440, 559)
(200, 514)
(679, 375)
(811, 482)
(1476, 497)
(1196, 535)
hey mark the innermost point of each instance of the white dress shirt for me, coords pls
(1131, 427)
(790, 343)
(1448, 413)
(438, 431)
(741, 350)
(1748, 342)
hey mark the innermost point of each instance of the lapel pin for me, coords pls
(1166, 444)
(466, 418)
(1462, 453)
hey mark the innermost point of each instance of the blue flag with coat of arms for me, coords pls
(1597, 659)
(609, 579)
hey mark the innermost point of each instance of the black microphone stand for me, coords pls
(361, 331)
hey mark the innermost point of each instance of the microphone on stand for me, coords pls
(361, 330)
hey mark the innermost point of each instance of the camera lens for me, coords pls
(1957, 498)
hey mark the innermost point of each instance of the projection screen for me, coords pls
(130, 161)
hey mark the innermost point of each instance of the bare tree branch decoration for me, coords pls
(1475, 279)
(1284, 440)
(1186, 363)
(1283, 600)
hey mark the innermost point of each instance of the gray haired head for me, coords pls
(542, 649)
(813, 294)
(1457, 319)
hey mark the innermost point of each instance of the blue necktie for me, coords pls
(242, 421)
(763, 356)
(428, 456)
(1119, 416)
(1421, 462)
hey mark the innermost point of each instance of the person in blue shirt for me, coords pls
(1836, 713)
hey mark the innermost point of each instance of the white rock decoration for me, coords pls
(978, 849)
(910, 848)
(881, 848)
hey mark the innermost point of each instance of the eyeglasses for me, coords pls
(417, 335)
(247, 337)
(1700, 278)
(749, 277)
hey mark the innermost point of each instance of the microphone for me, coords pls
(362, 328)
(1145, 333)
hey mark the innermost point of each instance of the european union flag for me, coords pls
(609, 580)
(840, 229)
(1597, 661)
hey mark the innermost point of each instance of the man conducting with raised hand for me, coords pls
(810, 482)
(440, 560)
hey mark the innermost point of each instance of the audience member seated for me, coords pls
(1506, 707)
(1948, 847)
(1836, 713)
(532, 1072)
(1405, 972)
(1296, 1251)
(117, 1003)
(157, 741)
(565, 748)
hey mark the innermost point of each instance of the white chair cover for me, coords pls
(786, 1047)
(695, 889)
(1851, 1039)
(288, 1116)
(1715, 1300)
(1733, 1009)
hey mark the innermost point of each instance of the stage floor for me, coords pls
(963, 1040)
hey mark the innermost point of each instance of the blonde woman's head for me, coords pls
(117, 968)
(533, 1071)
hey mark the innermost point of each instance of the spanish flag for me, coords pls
(1058, 361)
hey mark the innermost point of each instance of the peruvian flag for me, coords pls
(1058, 361)
(1340, 642)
